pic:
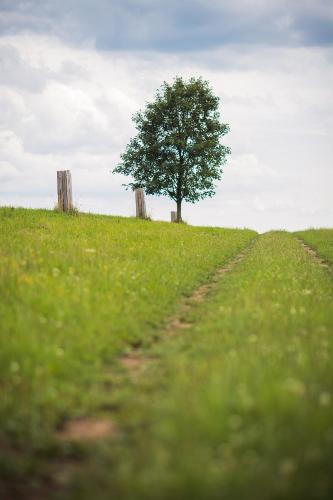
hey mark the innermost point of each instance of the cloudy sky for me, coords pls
(73, 72)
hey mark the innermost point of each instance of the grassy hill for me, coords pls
(219, 391)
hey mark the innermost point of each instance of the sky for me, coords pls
(72, 74)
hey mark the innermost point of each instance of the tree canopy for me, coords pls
(177, 151)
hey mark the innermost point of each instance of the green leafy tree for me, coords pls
(177, 150)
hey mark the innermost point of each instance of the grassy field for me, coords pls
(75, 292)
(237, 406)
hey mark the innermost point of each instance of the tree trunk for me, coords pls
(179, 210)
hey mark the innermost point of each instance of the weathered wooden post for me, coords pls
(140, 203)
(173, 216)
(64, 183)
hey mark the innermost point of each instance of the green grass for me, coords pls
(320, 240)
(76, 291)
(239, 406)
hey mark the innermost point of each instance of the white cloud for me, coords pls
(69, 108)
(18, 73)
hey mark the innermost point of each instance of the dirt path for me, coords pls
(313, 253)
(135, 362)
(92, 429)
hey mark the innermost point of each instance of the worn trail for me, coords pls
(135, 362)
(313, 254)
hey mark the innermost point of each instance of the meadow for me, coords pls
(234, 400)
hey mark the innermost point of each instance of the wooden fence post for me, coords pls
(64, 184)
(173, 216)
(140, 203)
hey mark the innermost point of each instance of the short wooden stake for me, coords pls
(64, 183)
(173, 216)
(140, 203)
